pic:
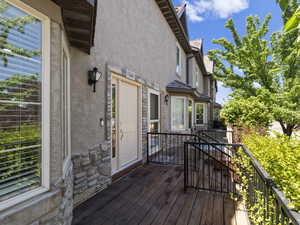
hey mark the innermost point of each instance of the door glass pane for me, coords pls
(190, 113)
(154, 107)
(178, 113)
(199, 113)
(113, 120)
(20, 101)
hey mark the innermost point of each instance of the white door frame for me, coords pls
(116, 79)
(155, 92)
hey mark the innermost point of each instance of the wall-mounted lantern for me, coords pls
(101, 122)
(93, 76)
(167, 99)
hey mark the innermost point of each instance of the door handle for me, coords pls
(121, 134)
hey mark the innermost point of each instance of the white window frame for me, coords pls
(45, 161)
(67, 106)
(178, 67)
(152, 91)
(184, 113)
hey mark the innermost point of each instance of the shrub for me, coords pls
(280, 157)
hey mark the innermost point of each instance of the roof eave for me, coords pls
(79, 17)
(168, 11)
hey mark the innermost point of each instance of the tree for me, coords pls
(249, 113)
(292, 17)
(261, 67)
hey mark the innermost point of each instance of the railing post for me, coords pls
(147, 148)
(185, 166)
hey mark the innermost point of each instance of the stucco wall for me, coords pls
(193, 68)
(132, 35)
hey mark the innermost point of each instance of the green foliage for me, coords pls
(266, 68)
(280, 157)
(254, 198)
(249, 113)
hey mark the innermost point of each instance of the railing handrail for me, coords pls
(192, 135)
(293, 215)
(195, 145)
(204, 133)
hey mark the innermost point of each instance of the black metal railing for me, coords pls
(208, 168)
(218, 136)
(167, 148)
(263, 197)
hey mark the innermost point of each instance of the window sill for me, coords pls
(21, 198)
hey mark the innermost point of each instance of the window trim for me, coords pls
(179, 66)
(45, 78)
(65, 48)
(155, 92)
(184, 113)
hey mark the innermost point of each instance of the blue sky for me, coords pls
(207, 19)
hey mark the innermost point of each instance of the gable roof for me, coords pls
(180, 9)
(181, 14)
(167, 9)
(197, 50)
(197, 44)
(209, 65)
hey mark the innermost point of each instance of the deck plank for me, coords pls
(218, 209)
(160, 201)
(169, 203)
(177, 208)
(130, 211)
(153, 195)
(198, 208)
(113, 198)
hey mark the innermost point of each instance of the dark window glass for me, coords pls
(153, 107)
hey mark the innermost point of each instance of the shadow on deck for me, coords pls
(154, 194)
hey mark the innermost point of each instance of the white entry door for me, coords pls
(125, 126)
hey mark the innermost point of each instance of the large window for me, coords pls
(200, 113)
(24, 109)
(178, 113)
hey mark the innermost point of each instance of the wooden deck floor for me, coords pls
(154, 195)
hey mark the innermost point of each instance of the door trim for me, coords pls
(115, 78)
(152, 91)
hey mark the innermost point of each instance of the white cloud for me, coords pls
(197, 9)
